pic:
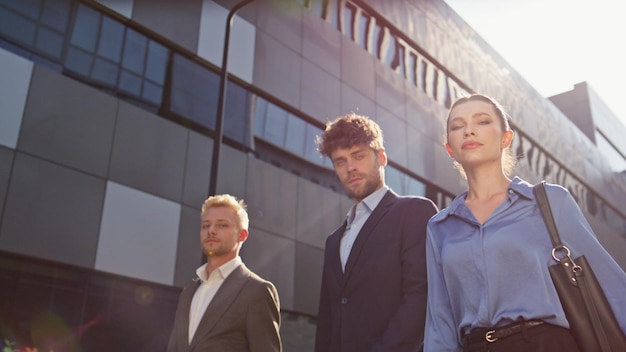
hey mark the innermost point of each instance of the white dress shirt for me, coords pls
(356, 217)
(206, 291)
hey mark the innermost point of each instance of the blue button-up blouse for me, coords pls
(491, 274)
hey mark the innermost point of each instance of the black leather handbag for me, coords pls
(591, 319)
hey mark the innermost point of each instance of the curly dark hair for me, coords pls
(348, 131)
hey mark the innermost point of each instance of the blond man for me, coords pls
(227, 307)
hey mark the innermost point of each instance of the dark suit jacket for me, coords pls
(243, 316)
(379, 303)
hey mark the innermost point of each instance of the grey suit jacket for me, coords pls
(243, 316)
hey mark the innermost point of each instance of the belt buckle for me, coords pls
(489, 337)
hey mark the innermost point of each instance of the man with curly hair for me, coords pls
(373, 292)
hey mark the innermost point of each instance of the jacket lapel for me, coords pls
(221, 302)
(379, 212)
(333, 250)
(182, 332)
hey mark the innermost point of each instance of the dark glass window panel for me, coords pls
(49, 43)
(152, 92)
(296, 135)
(260, 113)
(275, 123)
(17, 28)
(181, 103)
(194, 91)
(156, 62)
(56, 14)
(86, 29)
(134, 51)
(310, 148)
(236, 115)
(105, 72)
(130, 83)
(111, 39)
(78, 61)
(28, 8)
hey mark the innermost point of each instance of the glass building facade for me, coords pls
(106, 139)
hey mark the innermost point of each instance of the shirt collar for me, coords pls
(224, 269)
(516, 188)
(370, 202)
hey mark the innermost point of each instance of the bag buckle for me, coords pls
(575, 267)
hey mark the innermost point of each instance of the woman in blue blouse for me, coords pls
(488, 253)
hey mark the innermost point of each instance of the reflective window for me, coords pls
(377, 41)
(56, 14)
(17, 28)
(363, 35)
(270, 122)
(237, 114)
(86, 28)
(111, 39)
(39, 25)
(296, 130)
(194, 91)
(194, 94)
(348, 21)
(402, 183)
(117, 57)
(288, 131)
(310, 148)
(389, 50)
(415, 187)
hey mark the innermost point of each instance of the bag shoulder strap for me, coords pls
(546, 212)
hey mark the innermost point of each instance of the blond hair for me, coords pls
(226, 200)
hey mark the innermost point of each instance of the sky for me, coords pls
(555, 44)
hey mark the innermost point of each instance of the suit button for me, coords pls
(344, 300)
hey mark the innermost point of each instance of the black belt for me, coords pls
(494, 334)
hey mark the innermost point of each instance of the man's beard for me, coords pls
(371, 184)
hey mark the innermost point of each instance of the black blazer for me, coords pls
(379, 303)
(243, 316)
